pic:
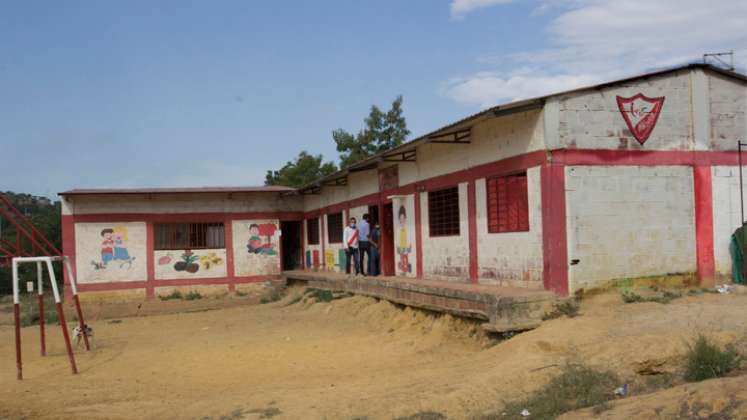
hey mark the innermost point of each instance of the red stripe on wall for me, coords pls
(554, 242)
(228, 239)
(418, 238)
(703, 186)
(472, 230)
(150, 263)
(128, 285)
(182, 217)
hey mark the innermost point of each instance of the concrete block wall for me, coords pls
(511, 258)
(726, 214)
(446, 257)
(591, 119)
(628, 221)
(728, 103)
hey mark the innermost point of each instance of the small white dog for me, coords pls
(78, 333)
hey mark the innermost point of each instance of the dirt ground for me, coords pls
(359, 358)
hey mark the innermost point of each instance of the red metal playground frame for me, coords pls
(32, 247)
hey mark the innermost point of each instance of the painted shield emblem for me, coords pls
(640, 114)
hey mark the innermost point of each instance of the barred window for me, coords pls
(174, 236)
(508, 204)
(312, 231)
(443, 212)
(334, 228)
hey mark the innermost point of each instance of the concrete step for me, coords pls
(503, 309)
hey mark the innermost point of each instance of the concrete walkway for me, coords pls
(502, 308)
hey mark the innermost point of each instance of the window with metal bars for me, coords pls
(174, 236)
(508, 203)
(312, 231)
(443, 212)
(334, 228)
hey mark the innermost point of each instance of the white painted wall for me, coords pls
(210, 263)
(446, 257)
(629, 221)
(265, 262)
(591, 119)
(511, 258)
(181, 203)
(728, 103)
(405, 240)
(89, 261)
(726, 213)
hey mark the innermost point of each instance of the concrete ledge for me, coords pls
(503, 309)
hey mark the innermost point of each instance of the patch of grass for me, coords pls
(50, 317)
(701, 291)
(320, 295)
(705, 360)
(568, 308)
(663, 297)
(576, 387)
(175, 295)
(424, 415)
(272, 295)
(239, 293)
(193, 295)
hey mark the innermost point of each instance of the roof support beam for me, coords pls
(406, 156)
(454, 137)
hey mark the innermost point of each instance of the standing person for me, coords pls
(350, 236)
(375, 239)
(364, 231)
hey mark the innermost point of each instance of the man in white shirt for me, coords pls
(350, 236)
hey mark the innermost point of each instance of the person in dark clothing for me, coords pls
(364, 246)
(375, 240)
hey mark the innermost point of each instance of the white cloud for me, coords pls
(459, 8)
(597, 40)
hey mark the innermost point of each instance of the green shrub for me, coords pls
(576, 387)
(568, 308)
(193, 295)
(320, 295)
(705, 360)
(172, 296)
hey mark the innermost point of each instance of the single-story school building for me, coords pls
(630, 178)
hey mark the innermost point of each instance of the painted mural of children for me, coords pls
(403, 242)
(121, 253)
(256, 245)
(107, 246)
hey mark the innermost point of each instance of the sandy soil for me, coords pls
(353, 357)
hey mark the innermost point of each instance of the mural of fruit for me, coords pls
(188, 262)
(210, 260)
(164, 260)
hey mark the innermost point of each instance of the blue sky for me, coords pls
(180, 93)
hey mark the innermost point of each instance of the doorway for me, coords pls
(387, 240)
(290, 245)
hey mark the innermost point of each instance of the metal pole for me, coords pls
(61, 316)
(741, 208)
(40, 294)
(76, 300)
(17, 320)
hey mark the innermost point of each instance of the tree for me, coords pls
(382, 132)
(304, 169)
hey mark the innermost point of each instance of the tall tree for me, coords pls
(304, 169)
(382, 131)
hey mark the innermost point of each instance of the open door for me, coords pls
(387, 240)
(290, 245)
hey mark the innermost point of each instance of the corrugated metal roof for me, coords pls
(191, 190)
(513, 105)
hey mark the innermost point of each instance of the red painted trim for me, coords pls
(418, 238)
(68, 248)
(322, 237)
(129, 285)
(228, 242)
(584, 157)
(703, 190)
(554, 241)
(149, 259)
(472, 229)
